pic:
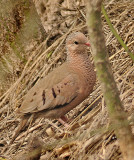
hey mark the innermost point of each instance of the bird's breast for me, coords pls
(87, 82)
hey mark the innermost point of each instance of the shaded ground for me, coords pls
(90, 135)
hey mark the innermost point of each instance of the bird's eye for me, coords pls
(76, 42)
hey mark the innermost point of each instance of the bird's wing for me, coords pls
(55, 96)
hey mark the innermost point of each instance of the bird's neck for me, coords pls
(79, 61)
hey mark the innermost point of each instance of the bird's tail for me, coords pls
(23, 123)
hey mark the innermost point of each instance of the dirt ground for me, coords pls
(31, 45)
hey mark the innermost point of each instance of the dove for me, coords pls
(62, 89)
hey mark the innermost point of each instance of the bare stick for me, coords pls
(109, 88)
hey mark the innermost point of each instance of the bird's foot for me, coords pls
(63, 120)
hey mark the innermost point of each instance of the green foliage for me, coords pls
(49, 54)
(116, 34)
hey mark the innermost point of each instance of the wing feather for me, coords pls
(43, 98)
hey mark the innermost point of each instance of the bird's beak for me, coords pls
(87, 44)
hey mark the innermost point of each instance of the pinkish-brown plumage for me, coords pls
(65, 87)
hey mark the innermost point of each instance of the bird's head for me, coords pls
(77, 43)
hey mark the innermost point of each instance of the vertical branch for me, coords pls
(105, 76)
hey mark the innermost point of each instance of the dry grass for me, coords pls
(90, 135)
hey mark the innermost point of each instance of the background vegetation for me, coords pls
(32, 45)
